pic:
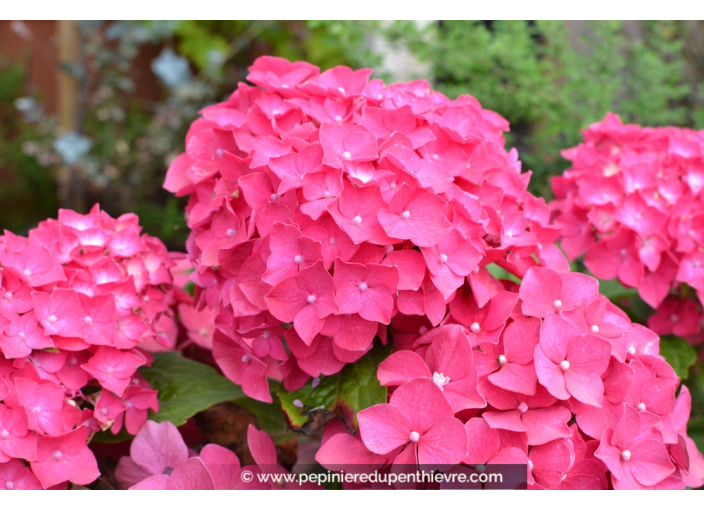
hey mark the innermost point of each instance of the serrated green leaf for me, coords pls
(186, 387)
(352, 389)
(679, 354)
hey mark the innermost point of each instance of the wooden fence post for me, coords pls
(69, 52)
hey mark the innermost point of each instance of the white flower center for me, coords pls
(311, 298)
(565, 365)
(406, 214)
(441, 380)
(557, 304)
(347, 155)
(52, 318)
(298, 259)
(641, 407)
(594, 328)
(501, 359)
(363, 286)
(522, 407)
(442, 258)
(357, 219)
(626, 455)
(246, 358)
(475, 327)
(414, 436)
(27, 272)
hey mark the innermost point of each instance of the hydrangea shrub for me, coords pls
(331, 213)
(368, 257)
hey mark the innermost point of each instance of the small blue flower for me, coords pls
(171, 69)
(72, 147)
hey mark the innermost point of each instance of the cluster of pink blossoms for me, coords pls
(548, 374)
(160, 460)
(349, 210)
(328, 210)
(80, 300)
(632, 202)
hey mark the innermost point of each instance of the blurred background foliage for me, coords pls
(140, 85)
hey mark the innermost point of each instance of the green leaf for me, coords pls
(269, 416)
(500, 273)
(614, 290)
(186, 387)
(105, 436)
(343, 394)
(679, 354)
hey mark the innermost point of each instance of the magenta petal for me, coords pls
(401, 367)
(520, 338)
(158, 446)
(421, 403)
(551, 462)
(128, 473)
(587, 388)
(307, 323)
(344, 448)
(555, 335)
(191, 475)
(445, 443)
(482, 441)
(517, 378)
(153, 483)
(383, 428)
(539, 290)
(450, 352)
(589, 354)
(543, 425)
(463, 393)
(223, 465)
(650, 462)
(507, 420)
(261, 446)
(550, 375)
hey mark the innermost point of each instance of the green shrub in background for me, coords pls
(27, 188)
(551, 80)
